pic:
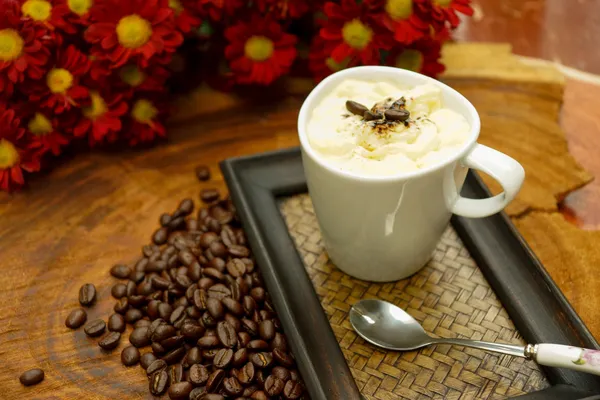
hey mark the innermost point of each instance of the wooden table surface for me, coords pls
(52, 222)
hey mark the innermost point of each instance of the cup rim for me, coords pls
(363, 71)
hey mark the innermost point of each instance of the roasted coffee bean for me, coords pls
(175, 373)
(186, 206)
(137, 300)
(397, 115)
(223, 358)
(249, 305)
(150, 249)
(293, 390)
(192, 332)
(259, 395)
(131, 288)
(142, 323)
(233, 321)
(31, 377)
(207, 320)
(160, 235)
(215, 380)
(140, 337)
(130, 356)
(165, 310)
(193, 356)
(217, 263)
(120, 271)
(76, 318)
(273, 385)
(232, 386)
(176, 223)
(238, 251)
(258, 344)
(152, 309)
(209, 195)
(209, 354)
(283, 358)
(294, 375)
(213, 274)
(164, 219)
(116, 323)
(172, 342)
(226, 334)
(266, 329)
(215, 308)
(228, 236)
(266, 316)
(240, 357)
(110, 340)
(95, 328)
(201, 299)
(198, 375)
(199, 393)
(247, 373)
(236, 267)
(186, 257)
(207, 238)
(133, 315)
(180, 390)
(218, 249)
(205, 283)
(174, 356)
(356, 108)
(160, 283)
(281, 373)
(122, 306)
(279, 342)
(157, 349)
(208, 342)
(371, 116)
(213, 225)
(87, 295)
(261, 360)
(202, 173)
(137, 276)
(214, 396)
(162, 332)
(156, 366)
(119, 290)
(183, 281)
(250, 326)
(177, 316)
(159, 382)
(219, 291)
(258, 294)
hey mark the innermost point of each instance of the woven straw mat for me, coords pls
(449, 297)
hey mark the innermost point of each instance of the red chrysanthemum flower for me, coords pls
(320, 62)
(133, 30)
(15, 155)
(185, 15)
(145, 122)
(47, 14)
(216, 9)
(100, 119)
(62, 87)
(75, 12)
(408, 19)
(445, 10)
(131, 77)
(45, 135)
(285, 9)
(22, 52)
(355, 31)
(421, 56)
(259, 51)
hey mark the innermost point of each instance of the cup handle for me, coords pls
(504, 169)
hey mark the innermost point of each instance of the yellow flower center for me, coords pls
(11, 45)
(144, 111)
(80, 7)
(443, 3)
(258, 48)
(8, 154)
(410, 59)
(398, 9)
(133, 31)
(97, 108)
(40, 125)
(38, 10)
(59, 80)
(335, 66)
(131, 75)
(356, 34)
(176, 6)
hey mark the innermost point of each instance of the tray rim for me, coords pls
(536, 305)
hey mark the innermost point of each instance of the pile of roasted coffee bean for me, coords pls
(198, 304)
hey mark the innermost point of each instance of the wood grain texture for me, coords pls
(98, 209)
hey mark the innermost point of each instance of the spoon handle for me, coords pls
(576, 358)
(509, 349)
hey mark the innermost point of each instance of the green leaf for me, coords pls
(579, 362)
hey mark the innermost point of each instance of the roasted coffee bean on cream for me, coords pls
(382, 128)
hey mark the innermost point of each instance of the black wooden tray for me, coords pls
(535, 304)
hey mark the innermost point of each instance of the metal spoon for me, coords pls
(385, 325)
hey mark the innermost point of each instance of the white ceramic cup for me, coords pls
(385, 228)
